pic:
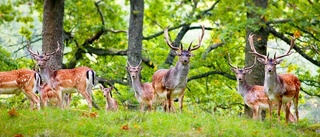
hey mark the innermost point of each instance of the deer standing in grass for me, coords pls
(21, 80)
(169, 83)
(49, 95)
(143, 91)
(281, 88)
(64, 81)
(253, 95)
(111, 104)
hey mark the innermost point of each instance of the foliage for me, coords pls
(74, 122)
(226, 23)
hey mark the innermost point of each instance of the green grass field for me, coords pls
(72, 122)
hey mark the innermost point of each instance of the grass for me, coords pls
(56, 122)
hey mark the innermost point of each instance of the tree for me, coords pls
(256, 77)
(52, 31)
(135, 32)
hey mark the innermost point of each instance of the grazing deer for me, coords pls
(21, 80)
(169, 83)
(143, 91)
(111, 104)
(47, 94)
(254, 95)
(281, 88)
(64, 81)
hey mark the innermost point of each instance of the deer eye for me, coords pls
(179, 54)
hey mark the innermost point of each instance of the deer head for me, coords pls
(184, 55)
(241, 72)
(106, 91)
(134, 71)
(42, 59)
(270, 63)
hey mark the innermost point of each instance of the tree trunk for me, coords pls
(135, 33)
(52, 30)
(256, 77)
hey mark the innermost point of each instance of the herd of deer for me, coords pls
(55, 86)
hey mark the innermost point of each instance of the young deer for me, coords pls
(22, 80)
(169, 83)
(254, 96)
(143, 91)
(111, 104)
(47, 94)
(281, 88)
(64, 81)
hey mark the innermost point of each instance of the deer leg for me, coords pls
(168, 102)
(149, 105)
(286, 110)
(295, 103)
(270, 110)
(255, 110)
(87, 97)
(279, 108)
(181, 101)
(142, 107)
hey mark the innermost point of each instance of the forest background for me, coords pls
(96, 34)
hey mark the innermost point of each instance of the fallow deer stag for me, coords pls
(253, 95)
(111, 104)
(281, 88)
(169, 83)
(79, 79)
(22, 80)
(143, 91)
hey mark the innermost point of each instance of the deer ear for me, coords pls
(261, 60)
(278, 61)
(248, 71)
(101, 87)
(178, 53)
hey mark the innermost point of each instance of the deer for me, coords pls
(21, 80)
(144, 92)
(281, 88)
(170, 83)
(111, 104)
(48, 94)
(253, 95)
(80, 79)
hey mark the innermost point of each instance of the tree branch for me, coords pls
(288, 41)
(210, 48)
(212, 73)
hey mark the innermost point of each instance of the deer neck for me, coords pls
(136, 84)
(109, 98)
(180, 72)
(243, 87)
(46, 74)
(272, 81)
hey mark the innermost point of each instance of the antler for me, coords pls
(253, 49)
(255, 60)
(168, 40)
(288, 53)
(130, 64)
(30, 51)
(200, 40)
(229, 62)
(54, 51)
